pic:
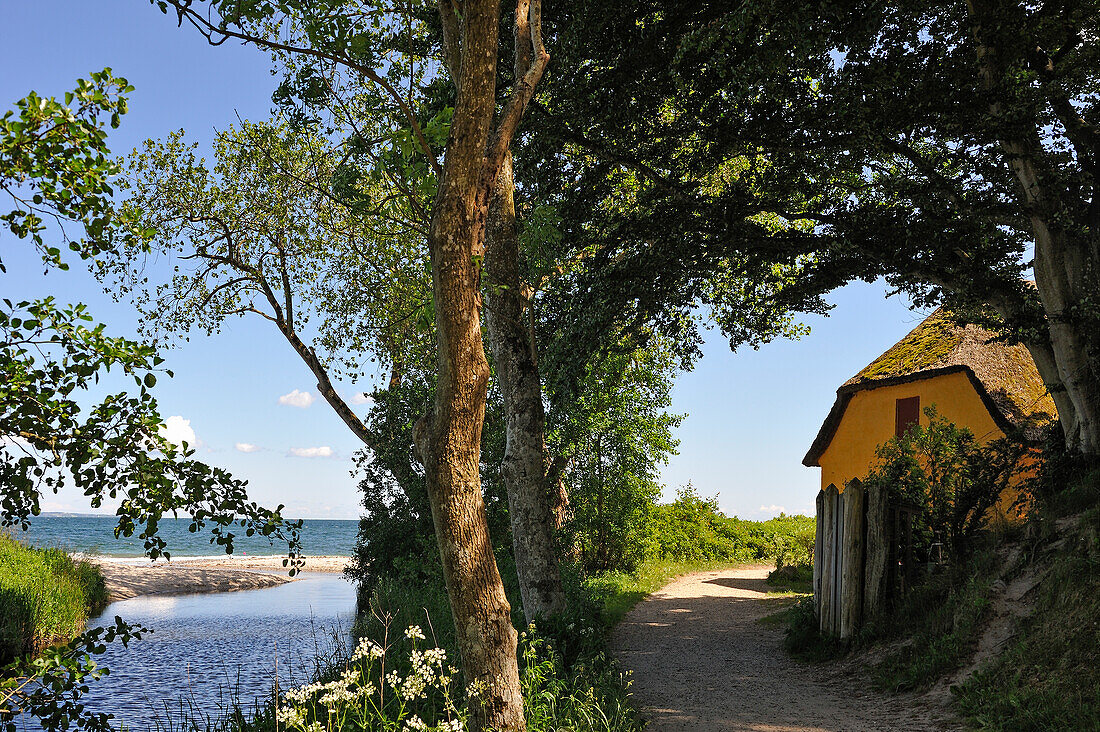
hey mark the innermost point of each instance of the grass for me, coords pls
(1048, 677)
(944, 617)
(615, 593)
(45, 597)
(795, 582)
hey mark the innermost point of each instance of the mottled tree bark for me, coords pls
(448, 438)
(1066, 275)
(524, 467)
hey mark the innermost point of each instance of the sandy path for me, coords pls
(186, 576)
(701, 661)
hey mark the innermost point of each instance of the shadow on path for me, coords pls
(701, 661)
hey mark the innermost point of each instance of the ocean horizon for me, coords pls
(94, 534)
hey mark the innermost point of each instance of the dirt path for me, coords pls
(702, 662)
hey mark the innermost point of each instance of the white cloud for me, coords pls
(247, 447)
(312, 452)
(177, 430)
(300, 399)
(361, 398)
(772, 510)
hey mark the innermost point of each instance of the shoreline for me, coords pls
(128, 577)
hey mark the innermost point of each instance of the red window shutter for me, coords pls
(908, 414)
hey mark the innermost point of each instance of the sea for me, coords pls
(208, 653)
(96, 535)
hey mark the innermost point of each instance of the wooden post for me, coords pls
(827, 613)
(819, 549)
(851, 598)
(838, 561)
(878, 551)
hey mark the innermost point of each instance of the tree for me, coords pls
(620, 432)
(54, 163)
(933, 144)
(448, 437)
(527, 468)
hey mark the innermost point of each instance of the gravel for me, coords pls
(701, 661)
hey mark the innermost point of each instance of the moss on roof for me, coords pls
(924, 346)
(1004, 375)
(1006, 371)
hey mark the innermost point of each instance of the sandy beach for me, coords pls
(185, 575)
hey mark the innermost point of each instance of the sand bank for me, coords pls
(186, 575)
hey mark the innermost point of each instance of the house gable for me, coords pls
(863, 418)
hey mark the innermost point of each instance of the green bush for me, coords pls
(953, 479)
(692, 529)
(45, 597)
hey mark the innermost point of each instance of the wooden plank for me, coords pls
(838, 571)
(851, 598)
(875, 571)
(819, 549)
(827, 614)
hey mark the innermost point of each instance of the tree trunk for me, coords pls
(525, 465)
(449, 437)
(1042, 353)
(1066, 269)
(1066, 278)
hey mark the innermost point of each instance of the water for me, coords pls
(211, 649)
(217, 649)
(95, 534)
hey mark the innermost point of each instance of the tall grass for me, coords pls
(45, 597)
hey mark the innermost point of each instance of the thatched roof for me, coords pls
(1004, 376)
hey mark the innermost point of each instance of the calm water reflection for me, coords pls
(212, 647)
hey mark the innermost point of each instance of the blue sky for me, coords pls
(751, 415)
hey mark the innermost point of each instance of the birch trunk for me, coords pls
(1065, 275)
(524, 466)
(1066, 267)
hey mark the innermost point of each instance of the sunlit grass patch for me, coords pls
(45, 597)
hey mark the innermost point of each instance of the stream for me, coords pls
(207, 652)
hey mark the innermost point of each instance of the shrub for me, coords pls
(692, 529)
(954, 480)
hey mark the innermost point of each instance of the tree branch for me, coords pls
(210, 31)
(452, 44)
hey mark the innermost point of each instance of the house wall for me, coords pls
(869, 421)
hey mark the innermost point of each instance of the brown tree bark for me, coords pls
(524, 466)
(449, 437)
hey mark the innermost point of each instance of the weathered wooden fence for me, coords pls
(861, 555)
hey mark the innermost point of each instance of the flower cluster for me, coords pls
(358, 698)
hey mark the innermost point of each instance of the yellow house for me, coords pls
(975, 382)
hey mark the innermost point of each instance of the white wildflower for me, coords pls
(367, 649)
(290, 716)
(414, 632)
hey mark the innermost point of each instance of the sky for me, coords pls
(249, 403)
